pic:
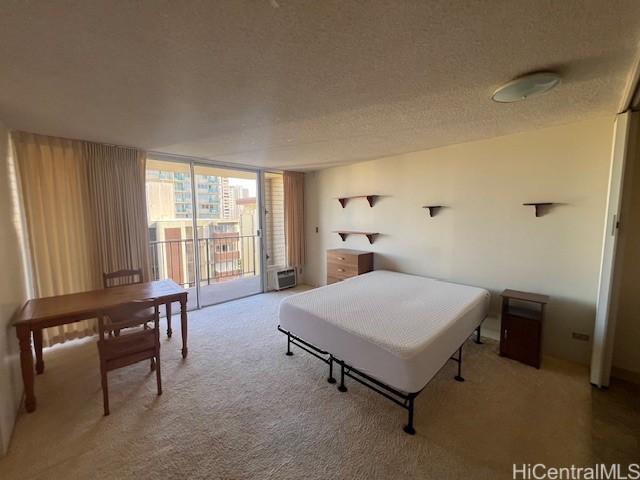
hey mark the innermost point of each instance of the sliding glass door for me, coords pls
(228, 233)
(204, 229)
(170, 221)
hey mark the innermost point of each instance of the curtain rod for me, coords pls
(77, 140)
(175, 156)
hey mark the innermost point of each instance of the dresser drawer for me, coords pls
(340, 258)
(341, 271)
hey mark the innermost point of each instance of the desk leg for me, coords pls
(37, 346)
(167, 308)
(183, 325)
(26, 362)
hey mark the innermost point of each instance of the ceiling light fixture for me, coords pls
(526, 86)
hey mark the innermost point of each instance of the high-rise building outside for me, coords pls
(227, 233)
(175, 190)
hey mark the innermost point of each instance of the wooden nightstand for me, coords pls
(343, 263)
(521, 328)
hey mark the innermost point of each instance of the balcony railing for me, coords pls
(222, 258)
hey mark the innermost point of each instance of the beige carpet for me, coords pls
(239, 408)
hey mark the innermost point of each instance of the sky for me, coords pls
(244, 183)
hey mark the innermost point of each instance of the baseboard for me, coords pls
(492, 334)
(15, 397)
(626, 375)
(491, 328)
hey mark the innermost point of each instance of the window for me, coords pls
(172, 211)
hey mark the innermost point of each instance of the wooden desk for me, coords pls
(46, 312)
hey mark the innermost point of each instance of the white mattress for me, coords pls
(398, 328)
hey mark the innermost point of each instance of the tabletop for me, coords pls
(42, 309)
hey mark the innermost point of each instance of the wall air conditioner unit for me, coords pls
(281, 278)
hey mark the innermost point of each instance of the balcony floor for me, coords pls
(224, 291)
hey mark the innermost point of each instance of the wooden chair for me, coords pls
(118, 279)
(130, 346)
(122, 277)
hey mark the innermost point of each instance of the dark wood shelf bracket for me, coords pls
(539, 207)
(433, 209)
(370, 198)
(371, 236)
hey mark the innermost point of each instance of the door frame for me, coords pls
(192, 162)
(194, 234)
(262, 215)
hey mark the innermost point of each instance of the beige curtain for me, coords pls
(85, 214)
(117, 191)
(294, 217)
(53, 176)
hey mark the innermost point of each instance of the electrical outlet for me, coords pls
(583, 337)
(317, 229)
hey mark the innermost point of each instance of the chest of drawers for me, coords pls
(344, 263)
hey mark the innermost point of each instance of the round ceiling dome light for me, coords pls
(526, 86)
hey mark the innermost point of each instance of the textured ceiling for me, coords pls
(294, 83)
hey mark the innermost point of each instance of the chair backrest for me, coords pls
(122, 277)
(128, 315)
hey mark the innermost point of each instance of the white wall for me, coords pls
(484, 236)
(12, 295)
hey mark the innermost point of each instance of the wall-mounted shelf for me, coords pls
(433, 209)
(371, 236)
(539, 206)
(370, 198)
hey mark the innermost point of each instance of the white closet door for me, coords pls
(605, 320)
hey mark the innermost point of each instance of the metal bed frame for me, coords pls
(404, 400)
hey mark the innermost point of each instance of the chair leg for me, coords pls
(158, 377)
(105, 392)
(152, 365)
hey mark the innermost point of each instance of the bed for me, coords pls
(389, 331)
